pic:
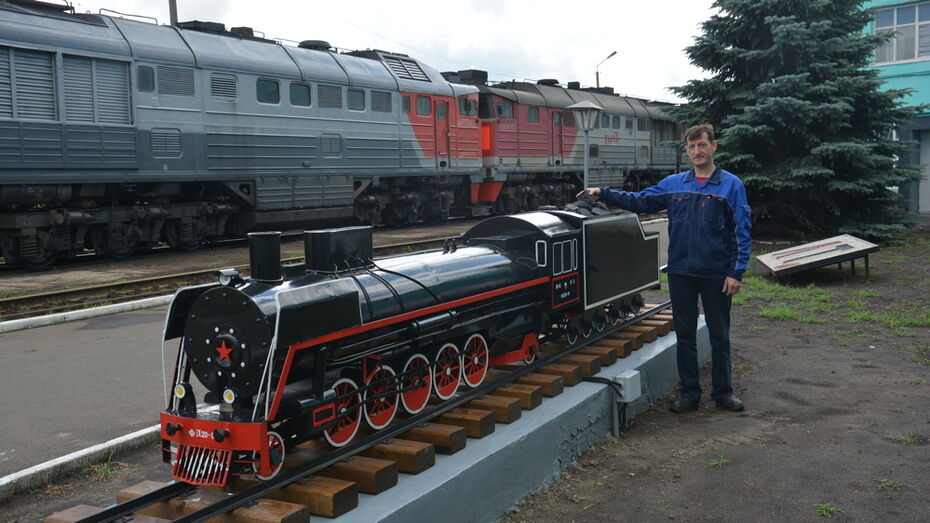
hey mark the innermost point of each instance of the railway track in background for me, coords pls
(325, 482)
(64, 300)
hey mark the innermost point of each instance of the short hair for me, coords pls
(696, 131)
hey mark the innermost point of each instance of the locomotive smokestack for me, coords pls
(265, 255)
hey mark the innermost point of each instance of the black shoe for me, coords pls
(682, 405)
(731, 403)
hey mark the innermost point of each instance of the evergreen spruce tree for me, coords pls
(800, 118)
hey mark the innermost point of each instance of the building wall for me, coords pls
(912, 74)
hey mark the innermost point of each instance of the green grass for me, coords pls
(105, 471)
(826, 510)
(888, 484)
(908, 438)
(719, 463)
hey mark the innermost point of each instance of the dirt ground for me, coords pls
(835, 373)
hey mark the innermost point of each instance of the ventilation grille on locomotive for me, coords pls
(175, 80)
(407, 69)
(166, 143)
(223, 86)
(330, 96)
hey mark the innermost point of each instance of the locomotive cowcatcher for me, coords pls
(316, 349)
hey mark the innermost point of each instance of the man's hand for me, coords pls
(594, 192)
(731, 286)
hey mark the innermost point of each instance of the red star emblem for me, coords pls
(224, 351)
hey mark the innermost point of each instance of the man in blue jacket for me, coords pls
(709, 244)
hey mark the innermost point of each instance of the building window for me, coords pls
(300, 95)
(267, 91)
(423, 106)
(532, 115)
(355, 99)
(505, 110)
(911, 25)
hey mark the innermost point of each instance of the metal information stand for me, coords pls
(818, 254)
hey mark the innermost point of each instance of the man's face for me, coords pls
(701, 151)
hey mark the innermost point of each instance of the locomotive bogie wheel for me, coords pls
(348, 413)
(447, 371)
(416, 383)
(381, 398)
(275, 456)
(475, 359)
(571, 335)
(614, 316)
(585, 329)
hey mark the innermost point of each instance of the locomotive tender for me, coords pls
(116, 134)
(322, 347)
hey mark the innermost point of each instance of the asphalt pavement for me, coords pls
(69, 386)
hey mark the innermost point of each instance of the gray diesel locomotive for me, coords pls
(116, 134)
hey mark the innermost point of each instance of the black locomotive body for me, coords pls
(319, 348)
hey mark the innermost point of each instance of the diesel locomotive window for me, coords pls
(911, 26)
(267, 91)
(532, 115)
(505, 110)
(330, 96)
(556, 119)
(616, 122)
(423, 106)
(629, 123)
(467, 107)
(642, 124)
(405, 104)
(605, 121)
(441, 111)
(300, 95)
(145, 79)
(381, 102)
(569, 119)
(355, 99)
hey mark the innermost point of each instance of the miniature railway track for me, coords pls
(559, 364)
(39, 304)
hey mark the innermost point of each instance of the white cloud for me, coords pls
(511, 39)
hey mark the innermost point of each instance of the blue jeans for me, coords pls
(684, 291)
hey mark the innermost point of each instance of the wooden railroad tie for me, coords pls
(262, 510)
(80, 512)
(649, 333)
(571, 373)
(550, 384)
(412, 457)
(448, 439)
(477, 423)
(323, 496)
(530, 396)
(371, 475)
(662, 327)
(589, 364)
(634, 338)
(505, 409)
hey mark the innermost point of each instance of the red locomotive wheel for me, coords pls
(382, 405)
(348, 413)
(275, 455)
(475, 360)
(447, 371)
(417, 383)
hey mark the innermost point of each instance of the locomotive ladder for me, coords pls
(245, 497)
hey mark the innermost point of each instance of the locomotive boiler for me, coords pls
(320, 348)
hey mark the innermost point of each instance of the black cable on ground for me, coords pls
(618, 390)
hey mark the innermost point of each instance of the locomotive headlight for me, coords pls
(229, 396)
(229, 277)
(180, 391)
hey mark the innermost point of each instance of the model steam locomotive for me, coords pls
(319, 348)
(116, 134)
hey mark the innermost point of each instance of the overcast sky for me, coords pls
(511, 39)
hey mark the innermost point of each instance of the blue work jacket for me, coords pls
(708, 224)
